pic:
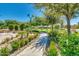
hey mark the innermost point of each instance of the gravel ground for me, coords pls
(3, 36)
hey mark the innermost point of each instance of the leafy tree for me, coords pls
(2, 24)
(68, 10)
(11, 27)
(16, 27)
(39, 21)
(8, 22)
(50, 14)
(22, 26)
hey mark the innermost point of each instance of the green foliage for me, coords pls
(16, 27)
(23, 42)
(52, 50)
(1, 24)
(22, 26)
(32, 36)
(9, 22)
(4, 51)
(39, 21)
(56, 26)
(18, 44)
(69, 45)
(15, 45)
(68, 10)
(22, 32)
(11, 27)
(54, 35)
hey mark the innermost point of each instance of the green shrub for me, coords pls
(32, 36)
(22, 26)
(52, 49)
(11, 27)
(18, 44)
(15, 45)
(56, 26)
(16, 27)
(52, 52)
(54, 36)
(26, 41)
(23, 42)
(4, 51)
(69, 45)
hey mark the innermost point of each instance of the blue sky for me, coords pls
(19, 11)
(74, 21)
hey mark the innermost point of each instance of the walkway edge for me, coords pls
(21, 49)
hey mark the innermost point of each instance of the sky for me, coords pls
(74, 21)
(19, 11)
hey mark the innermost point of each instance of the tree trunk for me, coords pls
(52, 29)
(68, 26)
(68, 20)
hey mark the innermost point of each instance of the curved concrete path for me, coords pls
(36, 48)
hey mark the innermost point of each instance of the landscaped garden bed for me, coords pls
(17, 44)
(68, 45)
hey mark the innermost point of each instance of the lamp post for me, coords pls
(30, 17)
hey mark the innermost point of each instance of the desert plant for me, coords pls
(15, 45)
(4, 51)
(31, 36)
(23, 42)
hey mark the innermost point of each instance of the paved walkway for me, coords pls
(32, 51)
(36, 48)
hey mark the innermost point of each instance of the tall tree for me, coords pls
(1, 24)
(50, 13)
(68, 10)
